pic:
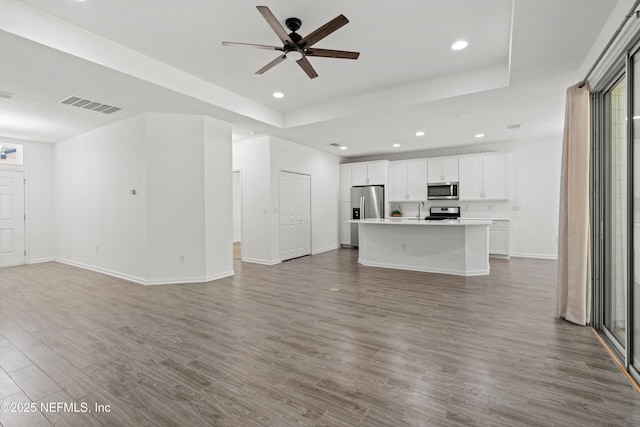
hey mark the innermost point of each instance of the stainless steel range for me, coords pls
(439, 213)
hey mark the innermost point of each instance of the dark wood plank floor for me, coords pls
(274, 346)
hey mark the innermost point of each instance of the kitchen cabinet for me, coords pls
(484, 177)
(345, 182)
(408, 180)
(499, 239)
(369, 173)
(442, 169)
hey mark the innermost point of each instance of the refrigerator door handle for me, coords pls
(363, 214)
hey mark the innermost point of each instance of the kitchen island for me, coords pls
(457, 246)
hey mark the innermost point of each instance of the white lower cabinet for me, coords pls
(499, 239)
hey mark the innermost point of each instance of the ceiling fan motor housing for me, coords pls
(293, 24)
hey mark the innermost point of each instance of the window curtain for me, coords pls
(574, 269)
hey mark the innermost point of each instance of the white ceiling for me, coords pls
(166, 55)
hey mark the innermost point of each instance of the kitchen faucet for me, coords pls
(420, 203)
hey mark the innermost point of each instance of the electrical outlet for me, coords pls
(181, 259)
(490, 207)
(97, 248)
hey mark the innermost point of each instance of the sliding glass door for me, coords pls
(616, 211)
(634, 354)
(615, 214)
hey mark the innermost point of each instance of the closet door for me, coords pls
(295, 215)
(303, 220)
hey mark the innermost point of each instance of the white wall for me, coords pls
(260, 161)
(99, 224)
(218, 199)
(237, 207)
(38, 168)
(534, 187)
(175, 197)
(176, 227)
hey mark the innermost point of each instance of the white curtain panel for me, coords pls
(574, 269)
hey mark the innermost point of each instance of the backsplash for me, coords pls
(499, 209)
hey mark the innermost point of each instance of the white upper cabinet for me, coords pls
(408, 180)
(442, 169)
(484, 177)
(417, 180)
(345, 182)
(359, 174)
(369, 173)
(496, 176)
(377, 173)
(398, 181)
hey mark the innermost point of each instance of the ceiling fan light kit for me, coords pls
(298, 48)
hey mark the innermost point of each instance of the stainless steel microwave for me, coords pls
(442, 191)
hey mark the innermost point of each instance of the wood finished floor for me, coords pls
(273, 346)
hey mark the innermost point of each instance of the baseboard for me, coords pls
(538, 256)
(40, 260)
(190, 280)
(260, 261)
(141, 281)
(319, 251)
(130, 278)
(425, 270)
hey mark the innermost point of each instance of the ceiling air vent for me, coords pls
(514, 126)
(334, 144)
(87, 104)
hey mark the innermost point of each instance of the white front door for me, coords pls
(295, 215)
(12, 219)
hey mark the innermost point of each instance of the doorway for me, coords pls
(12, 218)
(237, 215)
(295, 215)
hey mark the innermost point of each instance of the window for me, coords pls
(10, 154)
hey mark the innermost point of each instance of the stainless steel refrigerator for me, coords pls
(366, 202)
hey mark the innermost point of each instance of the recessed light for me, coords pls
(479, 135)
(343, 148)
(278, 95)
(396, 145)
(420, 133)
(459, 45)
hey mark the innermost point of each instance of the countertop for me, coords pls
(413, 221)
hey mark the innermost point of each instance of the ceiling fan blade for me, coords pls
(323, 31)
(271, 64)
(275, 25)
(258, 46)
(306, 66)
(329, 53)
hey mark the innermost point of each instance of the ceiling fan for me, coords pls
(296, 47)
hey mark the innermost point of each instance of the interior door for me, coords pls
(303, 220)
(12, 219)
(287, 218)
(295, 215)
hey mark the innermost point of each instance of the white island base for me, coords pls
(456, 247)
